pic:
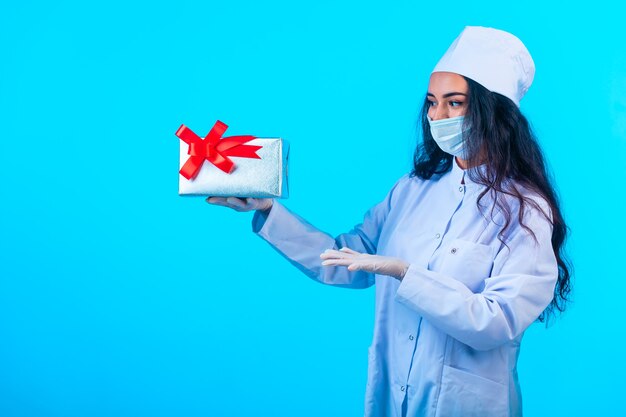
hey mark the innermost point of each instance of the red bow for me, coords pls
(214, 150)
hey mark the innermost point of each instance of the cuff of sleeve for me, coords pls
(424, 290)
(262, 221)
(411, 286)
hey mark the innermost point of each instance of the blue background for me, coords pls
(118, 297)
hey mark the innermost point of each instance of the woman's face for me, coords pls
(447, 95)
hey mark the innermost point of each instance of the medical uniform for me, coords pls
(447, 337)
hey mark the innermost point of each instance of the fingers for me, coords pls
(348, 250)
(230, 202)
(338, 262)
(256, 203)
(335, 254)
(350, 263)
(237, 203)
(355, 267)
(220, 201)
(342, 257)
(341, 253)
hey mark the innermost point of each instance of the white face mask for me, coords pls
(448, 134)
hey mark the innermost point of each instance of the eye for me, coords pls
(456, 103)
(430, 103)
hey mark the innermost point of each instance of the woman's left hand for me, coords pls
(356, 261)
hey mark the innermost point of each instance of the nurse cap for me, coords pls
(496, 59)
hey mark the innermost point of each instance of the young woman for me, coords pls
(466, 251)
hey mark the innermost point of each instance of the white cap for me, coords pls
(496, 59)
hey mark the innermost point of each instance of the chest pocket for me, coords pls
(468, 262)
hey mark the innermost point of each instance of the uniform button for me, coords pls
(437, 236)
(461, 189)
(453, 251)
(410, 337)
(402, 388)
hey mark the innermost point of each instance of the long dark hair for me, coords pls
(500, 134)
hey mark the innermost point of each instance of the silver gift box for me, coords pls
(265, 177)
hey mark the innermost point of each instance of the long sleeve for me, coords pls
(301, 243)
(520, 287)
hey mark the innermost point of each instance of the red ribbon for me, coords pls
(214, 150)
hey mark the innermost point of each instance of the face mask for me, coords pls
(448, 134)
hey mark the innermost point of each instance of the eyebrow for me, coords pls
(454, 93)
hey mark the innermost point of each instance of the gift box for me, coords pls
(234, 166)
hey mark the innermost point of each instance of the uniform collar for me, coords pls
(459, 175)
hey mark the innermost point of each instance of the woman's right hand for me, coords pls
(242, 204)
